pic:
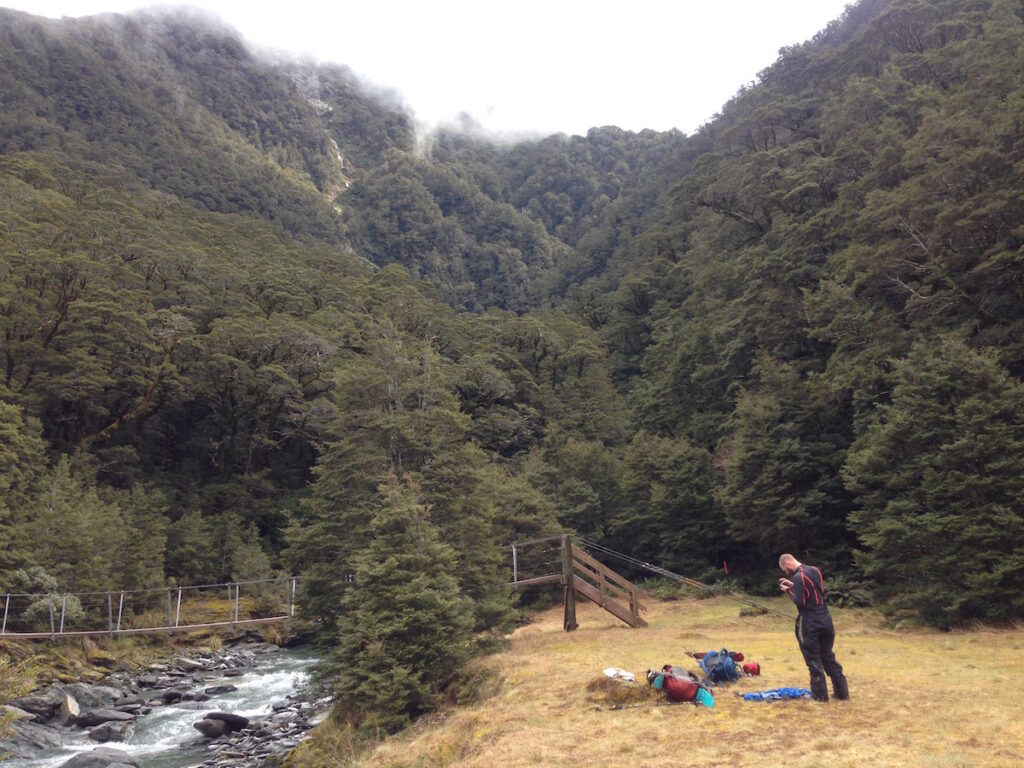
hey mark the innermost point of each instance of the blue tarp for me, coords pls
(775, 694)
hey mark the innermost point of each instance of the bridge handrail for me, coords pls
(56, 599)
(150, 590)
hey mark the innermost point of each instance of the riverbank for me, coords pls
(919, 698)
(233, 705)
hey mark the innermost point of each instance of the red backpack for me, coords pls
(678, 684)
(678, 689)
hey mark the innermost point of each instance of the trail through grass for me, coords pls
(919, 698)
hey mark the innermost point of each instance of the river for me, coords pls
(165, 738)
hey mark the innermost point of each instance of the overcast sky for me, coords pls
(530, 65)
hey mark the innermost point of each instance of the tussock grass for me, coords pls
(919, 698)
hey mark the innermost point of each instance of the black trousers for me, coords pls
(816, 634)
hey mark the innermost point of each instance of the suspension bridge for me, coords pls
(567, 561)
(230, 605)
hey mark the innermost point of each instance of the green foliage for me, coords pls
(46, 603)
(668, 508)
(22, 461)
(668, 589)
(848, 592)
(398, 415)
(191, 549)
(781, 489)
(860, 200)
(438, 225)
(404, 627)
(938, 486)
(187, 111)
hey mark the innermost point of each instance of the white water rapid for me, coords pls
(162, 738)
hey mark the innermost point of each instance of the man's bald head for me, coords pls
(788, 563)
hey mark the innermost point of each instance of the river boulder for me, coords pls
(7, 712)
(101, 658)
(234, 722)
(26, 739)
(43, 704)
(109, 732)
(68, 709)
(102, 757)
(93, 696)
(211, 729)
(217, 690)
(192, 665)
(99, 716)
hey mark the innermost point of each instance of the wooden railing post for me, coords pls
(7, 604)
(568, 586)
(53, 632)
(63, 610)
(170, 626)
(120, 607)
(515, 566)
(110, 614)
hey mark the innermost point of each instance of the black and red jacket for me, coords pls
(808, 590)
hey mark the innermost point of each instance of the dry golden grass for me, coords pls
(919, 698)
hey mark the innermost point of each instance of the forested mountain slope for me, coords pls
(835, 311)
(767, 289)
(181, 309)
(252, 320)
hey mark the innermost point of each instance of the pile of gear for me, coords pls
(718, 667)
(620, 691)
(722, 666)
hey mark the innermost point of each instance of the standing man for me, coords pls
(814, 629)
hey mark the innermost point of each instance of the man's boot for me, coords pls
(839, 688)
(819, 688)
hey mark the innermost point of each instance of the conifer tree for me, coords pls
(191, 549)
(403, 628)
(668, 507)
(22, 460)
(782, 490)
(75, 531)
(939, 479)
(398, 416)
(143, 543)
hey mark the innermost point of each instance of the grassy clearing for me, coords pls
(919, 698)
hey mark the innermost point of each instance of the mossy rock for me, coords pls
(65, 663)
(611, 691)
(101, 658)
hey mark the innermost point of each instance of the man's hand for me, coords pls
(785, 585)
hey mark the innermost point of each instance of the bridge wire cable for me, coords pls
(650, 567)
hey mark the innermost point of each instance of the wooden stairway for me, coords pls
(583, 575)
